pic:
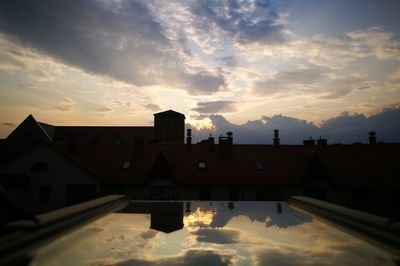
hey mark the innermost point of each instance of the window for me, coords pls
(44, 194)
(39, 167)
(202, 165)
(259, 166)
(126, 165)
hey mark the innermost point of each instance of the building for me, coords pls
(155, 163)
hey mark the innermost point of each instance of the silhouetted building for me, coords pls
(155, 163)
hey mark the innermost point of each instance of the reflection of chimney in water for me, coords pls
(166, 217)
(279, 207)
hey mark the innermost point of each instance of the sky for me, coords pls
(329, 68)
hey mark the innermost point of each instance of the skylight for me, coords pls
(259, 166)
(126, 165)
(202, 165)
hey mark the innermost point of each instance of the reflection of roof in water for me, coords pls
(213, 233)
(256, 211)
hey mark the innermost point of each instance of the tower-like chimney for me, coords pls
(372, 137)
(276, 138)
(188, 136)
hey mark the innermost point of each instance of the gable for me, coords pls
(28, 131)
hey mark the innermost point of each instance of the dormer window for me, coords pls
(201, 165)
(259, 166)
(126, 165)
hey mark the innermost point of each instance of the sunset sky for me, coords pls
(224, 64)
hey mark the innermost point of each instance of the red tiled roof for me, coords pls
(282, 166)
(103, 134)
(362, 164)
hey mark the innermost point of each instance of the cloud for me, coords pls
(103, 109)
(323, 254)
(153, 107)
(245, 21)
(379, 42)
(394, 75)
(204, 82)
(286, 81)
(332, 52)
(66, 104)
(8, 124)
(149, 234)
(215, 107)
(218, 236)
(345, 128)
(189, 257)
(121, 40)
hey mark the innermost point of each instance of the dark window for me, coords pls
(44, 194)
(39, 167)
(259, 166)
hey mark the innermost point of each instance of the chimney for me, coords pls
(225, 143)
(309, 142)
(276, 138)
(372, 137)
(188, 137)
(322, 142)
(211, 142)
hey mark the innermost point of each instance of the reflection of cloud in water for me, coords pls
(261, 212)
(149, 234)
(200, 217)
(198, 257)
(218, 236)
(250, 232)
(328, 254)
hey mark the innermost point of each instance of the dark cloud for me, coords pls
(229, 61)
(204, 82)
(218, 236)
(241, 20)
(215, 107)
(117, 39)
(346, 128)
